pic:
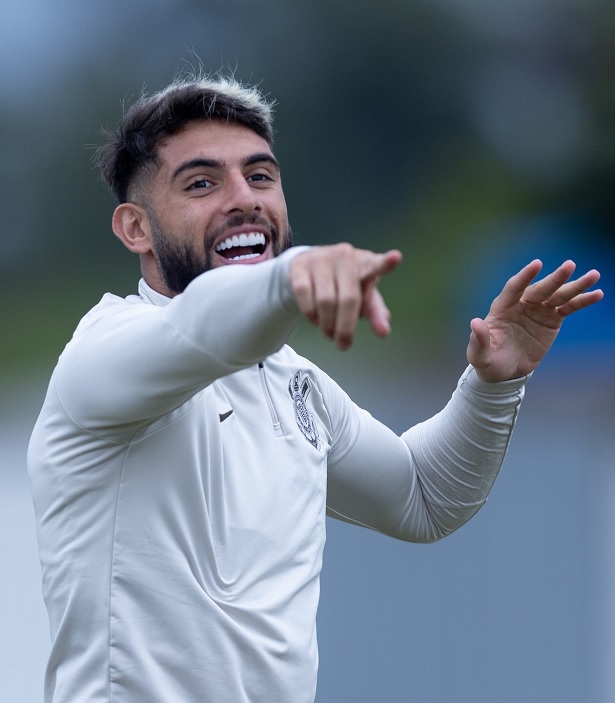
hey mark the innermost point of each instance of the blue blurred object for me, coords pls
(552, 238)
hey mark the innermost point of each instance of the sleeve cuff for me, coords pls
(500, 388)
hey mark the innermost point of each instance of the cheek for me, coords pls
(279, 208)
(190, 223)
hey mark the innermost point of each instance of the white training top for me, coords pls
(181, 468)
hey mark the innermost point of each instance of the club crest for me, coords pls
(299, 389)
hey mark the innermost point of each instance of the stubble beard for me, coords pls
(179, 264)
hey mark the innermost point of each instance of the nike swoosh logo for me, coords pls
(223, 416)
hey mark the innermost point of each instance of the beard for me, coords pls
(179, 263)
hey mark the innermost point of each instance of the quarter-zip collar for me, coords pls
(151, 296)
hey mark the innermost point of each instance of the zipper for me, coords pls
(277, 427)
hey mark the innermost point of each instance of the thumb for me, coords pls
(479, 346)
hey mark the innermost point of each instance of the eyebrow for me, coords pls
(219, 165)
(258, 158)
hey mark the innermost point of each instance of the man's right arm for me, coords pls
(136, 362)
(140, 362)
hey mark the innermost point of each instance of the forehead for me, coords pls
(213, 139)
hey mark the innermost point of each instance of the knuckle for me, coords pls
(326, 301)
(301, 287)
(344, 250)
(350, 299)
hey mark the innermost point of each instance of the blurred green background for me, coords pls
(456, 130)
(472, 135)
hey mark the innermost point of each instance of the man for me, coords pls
(185, 457)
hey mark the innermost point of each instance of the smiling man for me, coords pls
(185, 456)
(214, 177)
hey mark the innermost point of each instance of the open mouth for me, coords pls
(242, 247)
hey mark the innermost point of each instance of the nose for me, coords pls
(241, 196)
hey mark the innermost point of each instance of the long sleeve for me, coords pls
(130, 361)
(431, 480)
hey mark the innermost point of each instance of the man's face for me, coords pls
(216, 200)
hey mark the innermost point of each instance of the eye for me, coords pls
(259, 178)
(200, 184)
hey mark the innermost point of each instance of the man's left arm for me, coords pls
(440, 473)
(425, 484)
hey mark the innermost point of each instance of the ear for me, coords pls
(131, 226)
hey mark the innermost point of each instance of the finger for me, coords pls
(312, 278)
(355, 274)
(303, 289)
(372, 265)
(583, 300)
(373, 308)
(324, 276)
(349, 301)
(542, 290)
(332, 285)
(376, 311)
(569, 290)
(479, 346)
(516, 285)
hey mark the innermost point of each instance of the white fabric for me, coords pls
(180, 488)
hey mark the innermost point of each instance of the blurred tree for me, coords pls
(388, 124)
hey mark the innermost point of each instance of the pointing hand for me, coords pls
(336, 285)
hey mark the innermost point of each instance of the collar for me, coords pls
(149, 295)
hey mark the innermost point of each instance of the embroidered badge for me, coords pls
(299, 389)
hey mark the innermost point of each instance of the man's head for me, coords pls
(130, 153)
(197, 182)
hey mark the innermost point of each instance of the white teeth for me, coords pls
(242, 258)
(242, 240)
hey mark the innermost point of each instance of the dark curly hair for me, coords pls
(130, 152)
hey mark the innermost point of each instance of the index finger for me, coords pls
(516, 285)
(542, 290)
(372, 264)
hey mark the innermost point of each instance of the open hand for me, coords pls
(525, 318)
(336, 285)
